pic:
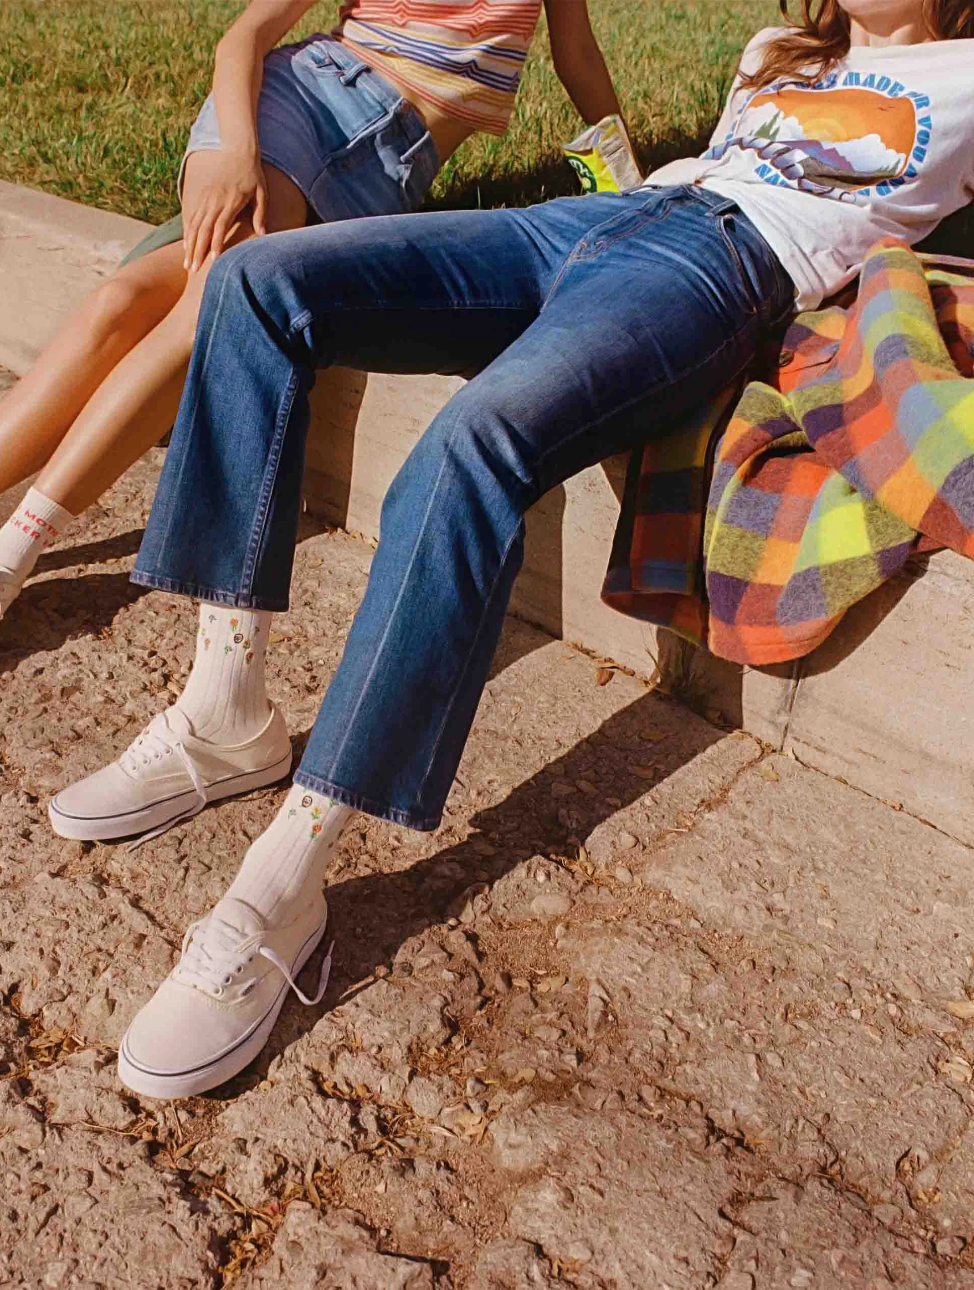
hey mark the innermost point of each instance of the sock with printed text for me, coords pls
(34, 525)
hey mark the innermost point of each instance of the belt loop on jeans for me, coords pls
(722, 207)
(350, 77)
(416, 147)
(714, 202)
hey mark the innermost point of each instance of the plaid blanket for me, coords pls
(755, 527)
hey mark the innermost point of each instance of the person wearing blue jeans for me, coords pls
(594, 322)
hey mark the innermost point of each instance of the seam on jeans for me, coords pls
(392, 613)
(757, 306)
(637, 221)
(578, 249)
(268, 482)
(623, 407)
(380, 810)
(199, 591)
(196, 396)
(470, 653)
(378, 123)
(271, 160)
(382, 307)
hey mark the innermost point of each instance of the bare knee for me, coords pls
(125, 305)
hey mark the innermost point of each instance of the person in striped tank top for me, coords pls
(462, 59)
(353, 123)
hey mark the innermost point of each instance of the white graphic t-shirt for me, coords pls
(881, 146)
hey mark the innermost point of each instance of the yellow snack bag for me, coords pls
(603, 158)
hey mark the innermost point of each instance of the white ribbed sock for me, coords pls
(292, 853)
(35, 524)
(224, 698)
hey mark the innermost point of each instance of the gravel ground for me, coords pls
(654, 1010)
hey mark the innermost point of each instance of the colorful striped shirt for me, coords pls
(464, 57)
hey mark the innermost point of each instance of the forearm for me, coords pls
(240, 66)
(578, 60)
(236, 88)
(587, 82)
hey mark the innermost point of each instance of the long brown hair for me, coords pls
(807, 49)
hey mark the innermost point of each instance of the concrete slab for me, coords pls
(52, 254)
(886, 702)
(652, 1009)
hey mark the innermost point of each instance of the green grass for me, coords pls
(97, 96)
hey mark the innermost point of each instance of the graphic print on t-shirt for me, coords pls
(848, 138)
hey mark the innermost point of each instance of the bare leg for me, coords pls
(39, 410)
(134, 407)
(136, 402)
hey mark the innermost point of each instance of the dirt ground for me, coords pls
(654, 1010)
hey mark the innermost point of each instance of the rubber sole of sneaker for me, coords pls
(160, 815)
(176, 1084)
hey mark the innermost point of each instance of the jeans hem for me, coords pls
(380, 810)
(213, 595)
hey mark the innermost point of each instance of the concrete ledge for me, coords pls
(882, 704)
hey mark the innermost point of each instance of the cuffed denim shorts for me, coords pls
(338, 129)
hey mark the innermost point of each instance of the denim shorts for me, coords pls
(338, 129)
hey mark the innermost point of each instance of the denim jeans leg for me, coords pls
(420, 293)
(652, 314)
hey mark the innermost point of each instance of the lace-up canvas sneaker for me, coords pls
(168, 775)
(215, 1011)
(10, 588)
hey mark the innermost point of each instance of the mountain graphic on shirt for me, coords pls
(836, 141)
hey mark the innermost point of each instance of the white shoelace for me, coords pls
(152, 746)
(212, 959)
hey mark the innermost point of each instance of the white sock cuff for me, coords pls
(49, 516)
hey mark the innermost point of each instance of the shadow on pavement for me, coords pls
(373, 915)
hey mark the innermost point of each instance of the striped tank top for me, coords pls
(465, 57)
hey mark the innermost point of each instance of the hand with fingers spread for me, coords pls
(237, 186)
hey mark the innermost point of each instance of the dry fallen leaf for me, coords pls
(548, 984)
(962, 1008)
(956, 1069)
(603, 675)
(768, 772)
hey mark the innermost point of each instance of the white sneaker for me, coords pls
(11, 585)
(166, 776)
(215, 1011)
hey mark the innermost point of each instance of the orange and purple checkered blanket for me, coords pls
(754, 529)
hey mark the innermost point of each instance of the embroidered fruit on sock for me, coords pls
(225, 700)
(291, 857)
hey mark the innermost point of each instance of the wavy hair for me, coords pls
(807, 49)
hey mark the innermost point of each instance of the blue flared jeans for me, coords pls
(594, 323)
